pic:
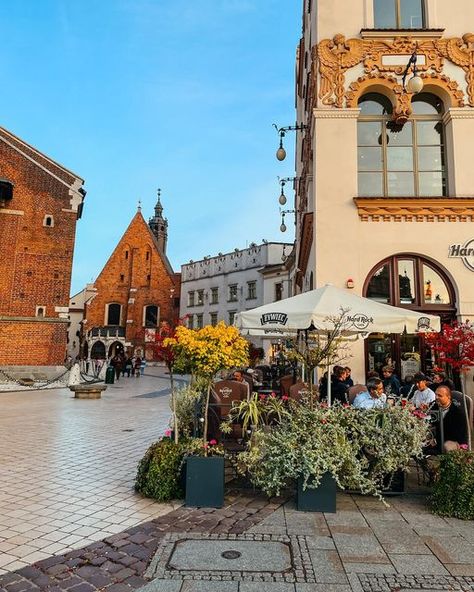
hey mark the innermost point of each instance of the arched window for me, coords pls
(98, 351)
(419, 284)
(401, 161)
(412, 281)
(151, 316)
(399, 14)
(113, 314)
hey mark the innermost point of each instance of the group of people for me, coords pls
(435, 396)
(131, 366)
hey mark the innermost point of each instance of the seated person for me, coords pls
(440, 379)
(338, 386)
(391, 384)
(423, 396)
(373, 397)
(348, 379)
(407, 390)
(451, 427)
(239, 376)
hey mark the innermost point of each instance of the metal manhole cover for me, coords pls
(214, 555)
(128, 430)
(231, 554)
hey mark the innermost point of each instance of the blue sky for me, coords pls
(133, 95)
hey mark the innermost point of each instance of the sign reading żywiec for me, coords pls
(277, 318)
(464, 252)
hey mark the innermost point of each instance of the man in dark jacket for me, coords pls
(451, 427)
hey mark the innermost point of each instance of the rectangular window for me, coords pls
(233, 293)
(278, 291)
(191, 298)
(213, 318)
(199, 321)
(200, 297)
(191, 322)
(399, 14)
(251, 290)
(232, 314)
(214, 295)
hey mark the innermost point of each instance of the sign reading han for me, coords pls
(464, 252)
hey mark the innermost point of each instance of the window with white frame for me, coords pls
(251, 290)
(233, 293)
(191, 298)
(213, 316)
(114, 311)
(399, 14)
(214, 295)
(200, 297)
(151, 315)
(401, 161)
(232, 314)
(278, 291)
(190, 321)
(199, 321)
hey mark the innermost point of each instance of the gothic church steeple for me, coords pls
(159, 225)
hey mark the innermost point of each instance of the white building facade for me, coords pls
(216, 288)
(385, 181)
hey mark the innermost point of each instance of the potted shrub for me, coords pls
(453, 491)
(207, 351)
(320, 447)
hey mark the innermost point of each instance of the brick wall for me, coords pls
(35, 260)
(136, 270)
(36, 343)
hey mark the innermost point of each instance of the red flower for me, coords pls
(262, 397)
(285, 397)
(273, 395)
(212, 442)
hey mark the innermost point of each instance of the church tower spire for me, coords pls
(159, 225)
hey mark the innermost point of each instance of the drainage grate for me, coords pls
(231, 554)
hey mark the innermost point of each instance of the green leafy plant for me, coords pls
(453, 491)
(358, 448)
(257, 411)
(159, 471)
(185, 400)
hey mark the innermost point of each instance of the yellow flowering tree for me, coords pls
(208, 351)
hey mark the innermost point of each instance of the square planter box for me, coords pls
(205, 481)
(321, 499)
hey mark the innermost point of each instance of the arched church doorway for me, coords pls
(116, 348)
(409, 281)
(98, 351)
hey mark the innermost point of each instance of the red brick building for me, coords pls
(40, 202)
(135, 292)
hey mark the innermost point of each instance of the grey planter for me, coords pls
(319, 499)
(204, 481)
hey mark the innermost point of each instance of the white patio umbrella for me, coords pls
(316, 310)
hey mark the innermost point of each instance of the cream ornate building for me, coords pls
(385, 178)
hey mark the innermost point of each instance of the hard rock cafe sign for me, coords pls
(464, 252)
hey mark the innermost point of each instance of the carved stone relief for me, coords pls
(378, 56)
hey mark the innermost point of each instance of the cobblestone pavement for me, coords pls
(67, 466)
(245, 546)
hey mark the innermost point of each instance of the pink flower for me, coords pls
(285, 397)
(262, 397)
(273, 395)
(212, 442)
(168, 433)
(463, 446)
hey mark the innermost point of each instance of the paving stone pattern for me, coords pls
(118, 563)
(389, 583)
(282, 558)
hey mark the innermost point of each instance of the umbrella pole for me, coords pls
(329, 377)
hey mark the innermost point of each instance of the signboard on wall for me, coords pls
(464, 252)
